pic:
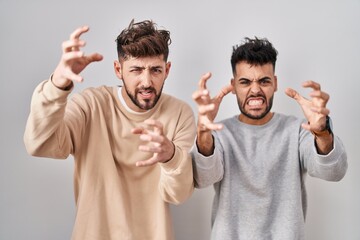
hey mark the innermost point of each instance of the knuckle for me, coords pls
(202, 110)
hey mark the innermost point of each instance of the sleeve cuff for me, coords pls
(54, 93)
(332, 157)
(174, 162)
(203, 162)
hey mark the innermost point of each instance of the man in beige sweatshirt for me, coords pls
(130, 143)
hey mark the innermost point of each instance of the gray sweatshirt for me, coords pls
(258, 174)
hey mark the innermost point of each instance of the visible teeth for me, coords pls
(145, 92)
(255, 102)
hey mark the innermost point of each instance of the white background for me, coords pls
(317, 40)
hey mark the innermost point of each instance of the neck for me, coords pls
(252, 121)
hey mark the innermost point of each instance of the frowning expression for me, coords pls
(254, 86)
(143, 80)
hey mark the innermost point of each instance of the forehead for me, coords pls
(154, 61)
(246, 70)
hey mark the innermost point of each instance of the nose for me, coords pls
(255, 87)
(146, 79)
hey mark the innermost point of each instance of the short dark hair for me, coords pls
(255, 52)
(143, 39)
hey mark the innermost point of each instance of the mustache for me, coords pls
(146, 89)
(255, 96)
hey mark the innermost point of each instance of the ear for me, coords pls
(117, 69)
(233, 85)
(167, 69)
(275, 82)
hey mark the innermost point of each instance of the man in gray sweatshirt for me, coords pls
(257, 160)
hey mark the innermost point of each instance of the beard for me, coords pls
(259, 115)
(147, 103)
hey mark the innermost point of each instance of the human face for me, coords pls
(143, 80)
(254, 86)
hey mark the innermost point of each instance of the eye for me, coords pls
(244, 82)
(135, 70)
(157, 70)
(265, 82)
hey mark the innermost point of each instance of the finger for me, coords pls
(320, 110)
(204, 109)
(203, 80)
(70, 75)
(76, 35)
(224, 91)
(78, 32)
(152, 149)
(294, 94)
(214, 126)
(311, 84)
(201, 96)
(152, 137)
(320, 94)
(210, 126)
(72, 56)
(72, 45)
(197, 95)
(290, 92)
(157, 125)
(148, 162)
(306, 126)
(95, 57)
(138, 130)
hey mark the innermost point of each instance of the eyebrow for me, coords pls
(246, 79)
(151, 67)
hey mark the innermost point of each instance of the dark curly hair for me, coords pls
(255, 52)
(143, 39)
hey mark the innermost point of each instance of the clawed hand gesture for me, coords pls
(155, 142)
(73, 60)
(208, 107)
(314, 108)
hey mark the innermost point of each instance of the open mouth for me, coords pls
(146, 93)
(255, 102)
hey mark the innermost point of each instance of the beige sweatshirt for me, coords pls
(114, 198)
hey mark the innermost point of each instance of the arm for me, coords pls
(316, 113)
(176, 180)
(171, 152)
(162, 148)
(47, 134)
(73, 61)
(331, 166)
(322, 153)
(207, 110)
(208, 167)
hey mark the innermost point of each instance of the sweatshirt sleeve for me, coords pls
(330, 167)
(48, 132)
(207, 169)
(176, 180)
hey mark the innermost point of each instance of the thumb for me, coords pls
(290, 92)
(295, 95)
(95, 57)
(223, 92)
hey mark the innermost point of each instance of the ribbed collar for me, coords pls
(134, 116)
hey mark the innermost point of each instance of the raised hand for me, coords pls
(208, 107)
(156, 142)
(73, 60)
(314, 108)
